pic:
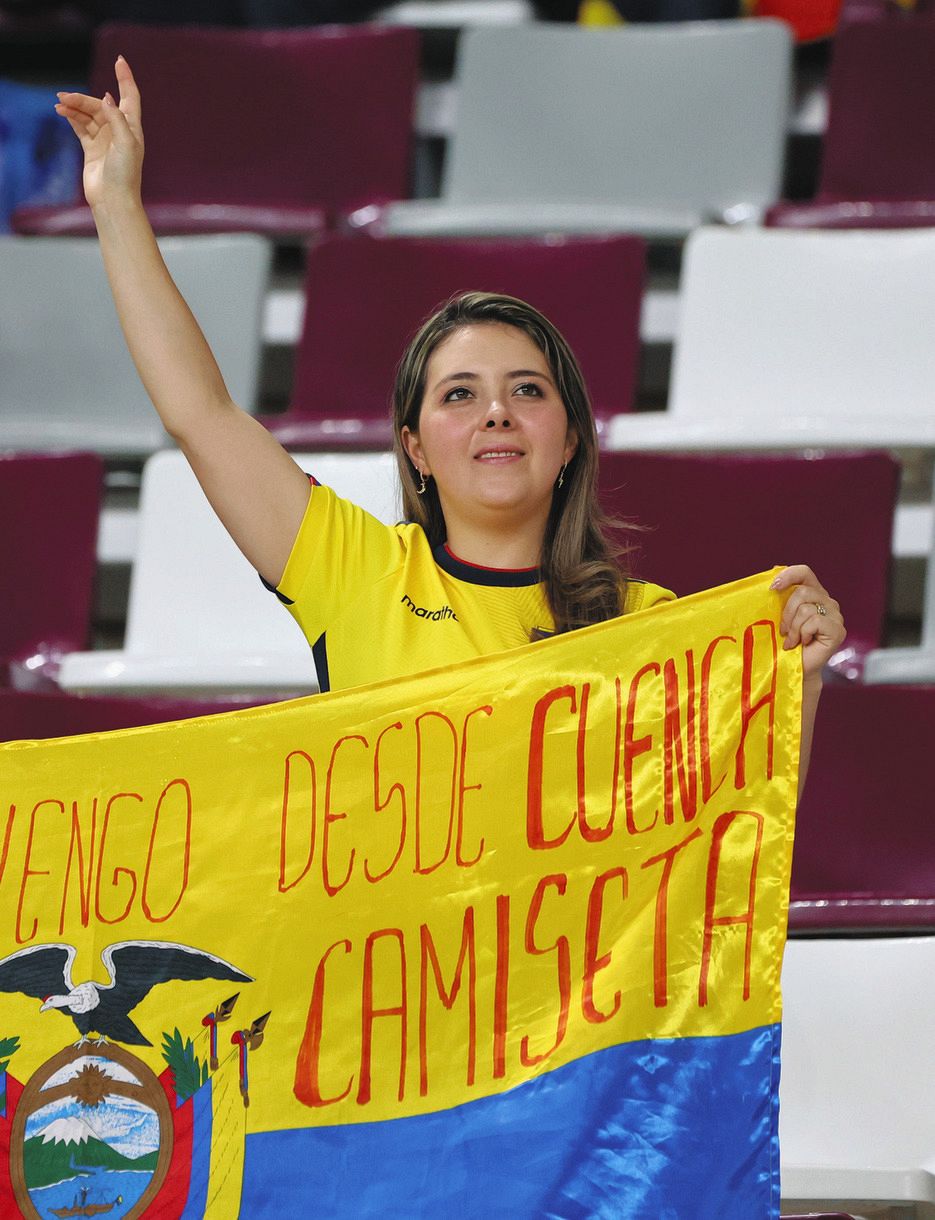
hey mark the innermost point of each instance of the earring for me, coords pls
(561, 473)
(420, 491)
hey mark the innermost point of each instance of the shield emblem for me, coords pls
(92, 1136)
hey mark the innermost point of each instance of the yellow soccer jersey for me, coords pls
(375, 601)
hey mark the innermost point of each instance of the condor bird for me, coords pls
(133, 966)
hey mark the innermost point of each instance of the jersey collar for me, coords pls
(474, 574)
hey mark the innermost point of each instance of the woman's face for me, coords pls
(493, 430)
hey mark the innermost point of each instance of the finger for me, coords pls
(91, 106)
(85, 129)
(815, 602)
(798, 626)
(130, 102)
(119, 127)
(78, 128)
(806, 595)
(797, 574)
(811, 625)
(806, 627)
(91, 126)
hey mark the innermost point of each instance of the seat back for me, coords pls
(192, 593)
(881, 119)
(687, 116)
(757, 511)
(49, 506)
(864, 853)
(778, 325)
(858, 1017)
(68, 380)
(36, 715)
(328, 121)
(590, 288)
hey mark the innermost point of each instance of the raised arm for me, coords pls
(254, 486)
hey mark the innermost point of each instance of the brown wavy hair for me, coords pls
(580, 564)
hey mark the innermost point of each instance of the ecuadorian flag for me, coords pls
(499, 939)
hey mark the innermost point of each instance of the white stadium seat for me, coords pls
(856, 1120)
(559, 129)
(199, 620)
(68, 381)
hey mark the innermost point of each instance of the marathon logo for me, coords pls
(421, 611)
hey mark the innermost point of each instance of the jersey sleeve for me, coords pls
(338, 552)
(641, 595)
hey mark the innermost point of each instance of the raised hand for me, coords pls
(111, 137)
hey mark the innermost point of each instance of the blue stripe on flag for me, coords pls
(668, 1129)
(202, 1121)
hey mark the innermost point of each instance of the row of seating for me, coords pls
(201, 626)
(580, 155)
(779, 347)
(780, 335)
(350, 96)
(226, 634)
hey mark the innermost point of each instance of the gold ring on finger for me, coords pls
(821, 609)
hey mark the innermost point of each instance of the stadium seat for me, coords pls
(792, 338)
(864, 857)
(199, 621)
(877, 165)
(366, 298)
(757, 511)
(49, 506)
(36, 715)
(327, 128)
(911, 664)
(68, 380)
(856, 1122)
(638, 129)
(801, 340)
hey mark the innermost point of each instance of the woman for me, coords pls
(497, 455)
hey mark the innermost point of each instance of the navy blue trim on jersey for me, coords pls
(286, 601)
(474, 574)
(320, 657)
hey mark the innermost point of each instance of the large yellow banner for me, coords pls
(426, 891)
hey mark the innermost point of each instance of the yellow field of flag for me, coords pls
(502, 935)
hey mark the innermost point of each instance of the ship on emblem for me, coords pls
(83, 1207)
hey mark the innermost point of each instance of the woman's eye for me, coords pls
(529, 388)
(458, 394)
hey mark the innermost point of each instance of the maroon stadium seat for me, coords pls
(713, 519)
(864, 856)
(274, 131)
(366, 297)
(878, 170)
(36, 715)
(49, 506)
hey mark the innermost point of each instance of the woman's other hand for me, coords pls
(811, 618)
(111, 138)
